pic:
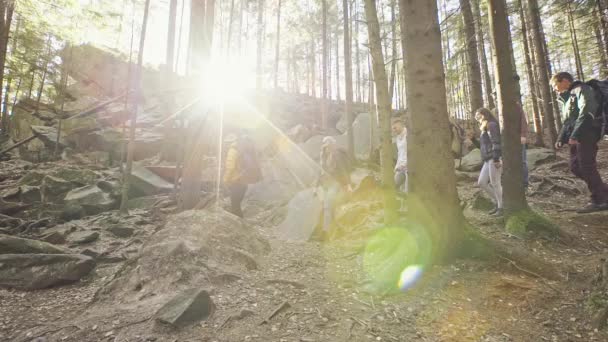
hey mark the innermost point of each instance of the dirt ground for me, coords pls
(320, 291)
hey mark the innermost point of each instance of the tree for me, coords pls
(324, 66)
(487, 78)
(6, 17)
(348, 80)
(541, 61)
(475, 94)
(277, 49)
(384, 110)
(260, 44)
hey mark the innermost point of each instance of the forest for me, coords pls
(303, 170)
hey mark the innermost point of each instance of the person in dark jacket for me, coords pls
(491, 171)
(334, 178)
(580, 104)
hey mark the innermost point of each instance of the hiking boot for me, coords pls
(498, 213)
(493, 211)
(592, 207)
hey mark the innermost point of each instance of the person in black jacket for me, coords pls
(491, 171)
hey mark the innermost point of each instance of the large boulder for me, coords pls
(38, 271)
(362, 137)
(14, 245)
(538, 156)
(93, 199)
(279, 183)
(472, 161)
(303, 214)
(145, 182)
(48, 135)
(188, 307)
(54, 188)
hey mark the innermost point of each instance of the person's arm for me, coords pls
(494, 132)
(587, 107)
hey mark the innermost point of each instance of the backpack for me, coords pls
(248, 161)
(600, 119)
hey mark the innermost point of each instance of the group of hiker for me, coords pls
(584, 125)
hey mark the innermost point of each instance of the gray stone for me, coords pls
(54, 238)
(121, 232)
(147, 182)
(83, 237)
(91, 198)
(72, 212)
(188, 307)
(77, 176)
(54, 188)
(472, 161)
(90, 253)
(14, 245)
(32, 178)
(303, 213)
(48, 135)
(361, 136)
(30, 194)
(38, 271)
(539, 156)
(299, 133)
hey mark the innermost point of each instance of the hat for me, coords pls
(328, 141)
(230, 138)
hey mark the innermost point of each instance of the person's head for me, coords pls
(397, 126)
(484, 114)
(562, 81)
(329, 144)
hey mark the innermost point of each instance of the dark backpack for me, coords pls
(248, 161)
(600, 119)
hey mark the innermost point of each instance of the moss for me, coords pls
(524, 222)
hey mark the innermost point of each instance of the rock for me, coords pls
(121, 232)
(303, 214)
(299, 133)
(361, 136)
(90, 253)
(30, 194)
(83, 237)
(278, 184)
(146, 182)
(188, 307)
(15, 245)
(143, 202)
(32, 178)
(54, 188)
(11, 208)
(54, 238)
(472, 161)
(75, 175)
(10, 194)
(312, 147)
(466, 176)
(91, 198)
(538, 156)
(38, 271)
(48, 135)
(72, 212)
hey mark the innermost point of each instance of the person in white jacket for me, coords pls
(400, 136)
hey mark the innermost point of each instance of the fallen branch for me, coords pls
(514, 264)
(22, 142)
(283, 306)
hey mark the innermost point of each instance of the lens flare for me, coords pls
(409, 277)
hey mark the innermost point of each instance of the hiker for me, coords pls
(334, 178)
(580, 106)
(400, 136)
(491, 171)
(241, 169)
(524, 143)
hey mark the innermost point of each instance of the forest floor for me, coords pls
(320, 288)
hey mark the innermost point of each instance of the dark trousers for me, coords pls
(237, 193)
(584, 166)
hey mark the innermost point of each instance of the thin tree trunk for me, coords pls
(359, 86)
(402, 26)
(242, 10)
(474, 84)
(313, 67)
(325, 64)
(6, 17)
(391, 83)
(260, 44)
(31, 88)
(197, 41)
(384, 111)
(170, 60)
(603, 26)
(44, 72)
(277, 48)
(430, 163)
(577, 54)
(542, 69)
(603, 56)
(16, 94)
(179, 37)
(487, 78)
(133, 123)
(348, 81)
(531, 81)
(514, 196)
(5, 127)
(230, 20)
(338, 97)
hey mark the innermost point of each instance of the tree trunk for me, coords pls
(577, 54)
(179, 37)
(430, 163)
(514, 197)
(133, 123)
(197, 43)
(487, 78)
(475, 95)
(6, 17)
(538, 128)
(603, 26)
(603, 56)
(230, 20)
(242, 10)
(44, 72)
(391, 83)
(324, 62)
(313, 69)
(384, 111)
(260, 44)
(402, 27)
(5, 122)
(277, 48)
(359, 90)
(338, 96)
(541, 62)
(348, 81)
(170, 60)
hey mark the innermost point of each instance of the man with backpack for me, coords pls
(584, 124)
(241, 169)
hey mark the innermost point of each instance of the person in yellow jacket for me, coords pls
(241, 168)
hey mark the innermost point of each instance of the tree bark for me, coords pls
(197, 43)
(133, 123)
(430, 163)
(487, 78)
(577, 54)
(230, 21)
(475, 93)
(541, 62)
(325, 64)
(384, 111)
(538, 128)
(348, 81)
(6, 17)
(513, 196)
(391, 83)
(170, 60)
(338, 95)
(359, 90)
(277, 48)
(402, 27)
